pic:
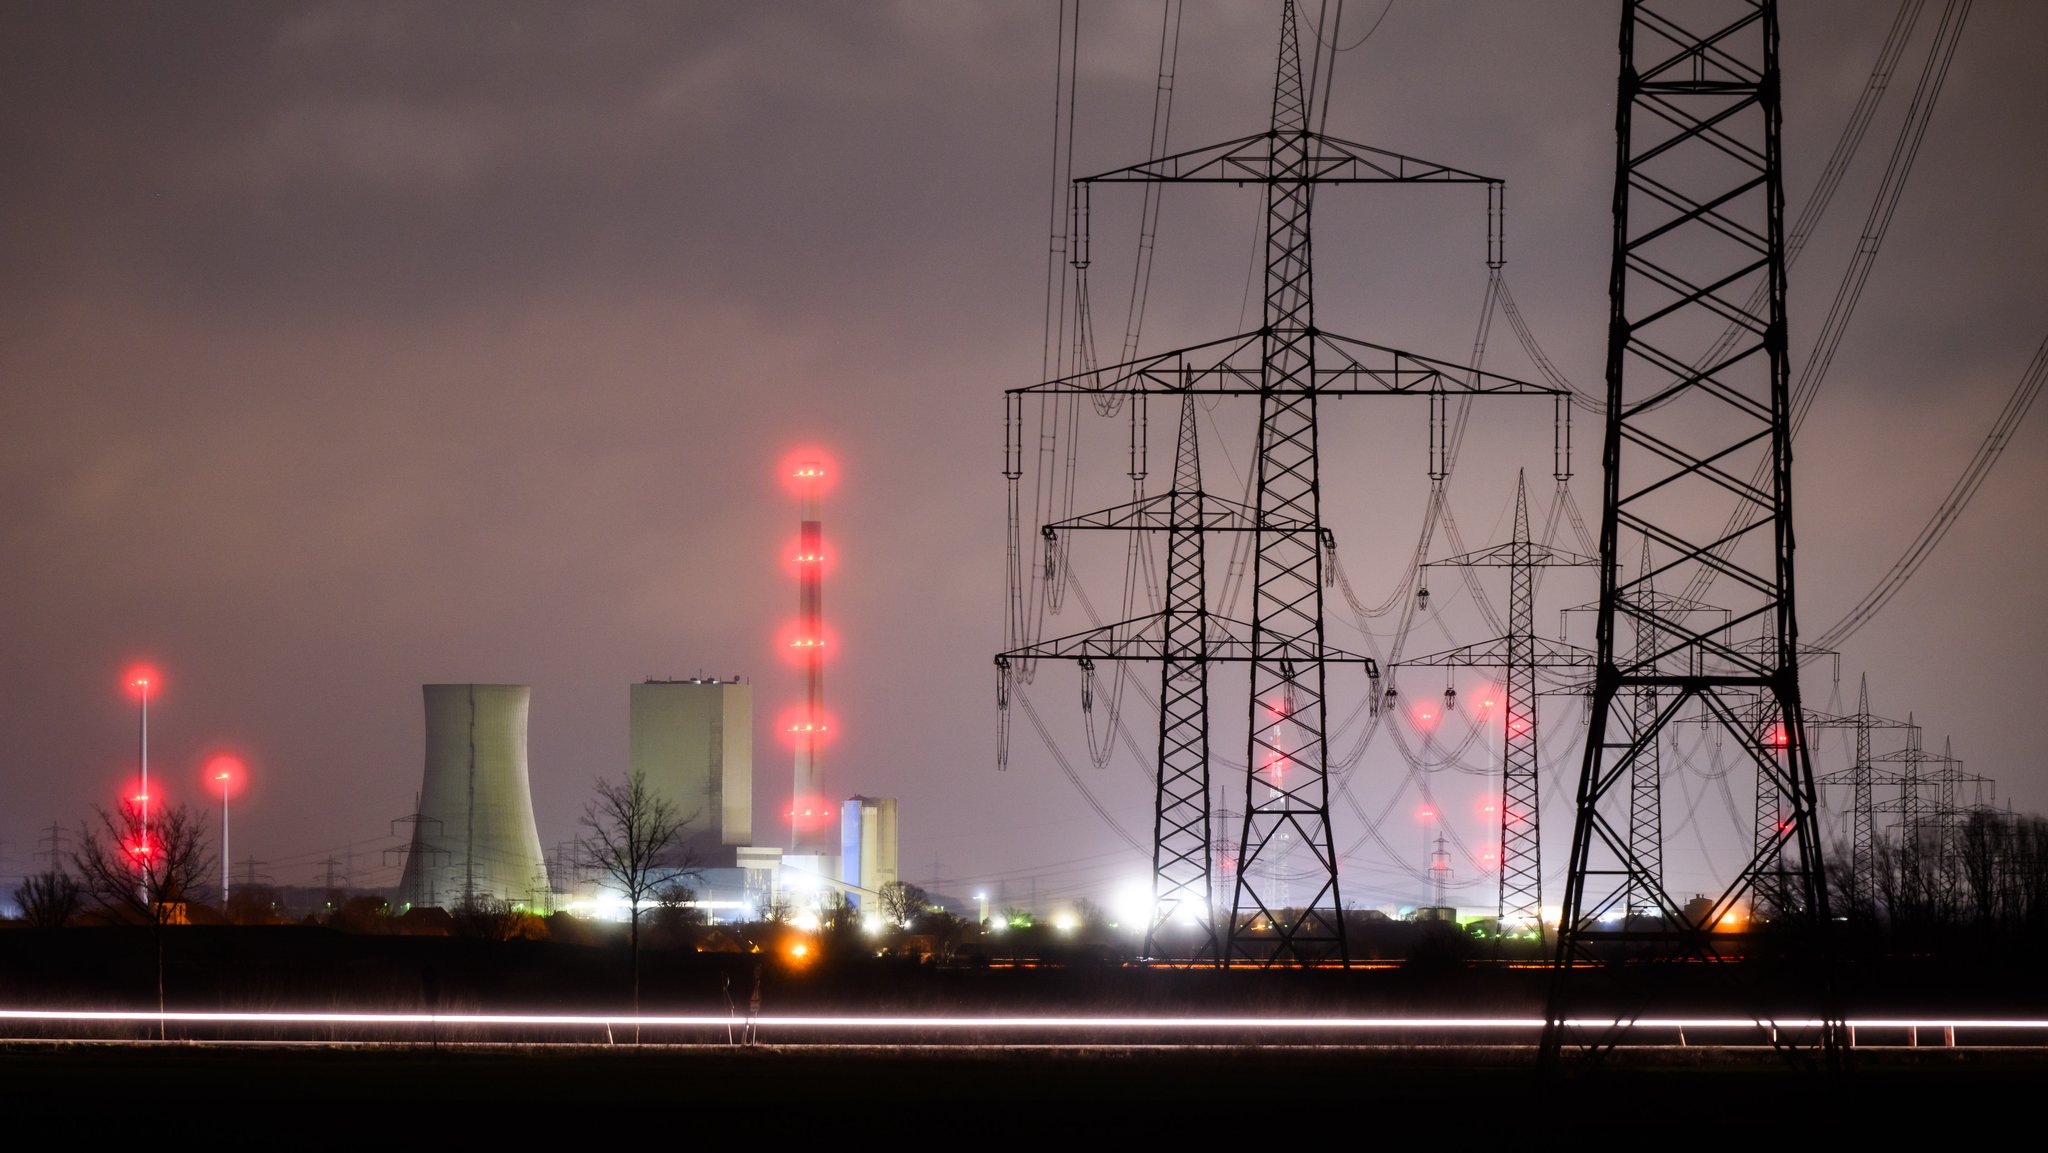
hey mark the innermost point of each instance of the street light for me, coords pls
(224, 771)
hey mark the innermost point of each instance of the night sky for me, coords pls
(349, 347)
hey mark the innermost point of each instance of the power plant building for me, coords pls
(867, 845)
(694, 740)
(473, 837)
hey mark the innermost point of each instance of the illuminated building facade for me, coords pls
(694, 739)
(867, 845)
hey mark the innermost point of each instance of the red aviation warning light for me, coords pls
(799, 726)
(808, 471)
(803, 559)
(800, 645)
(810, 812)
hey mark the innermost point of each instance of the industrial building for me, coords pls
(867, 845)
(694, 740)
(473, 834)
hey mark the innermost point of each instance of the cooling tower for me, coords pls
(474, 837)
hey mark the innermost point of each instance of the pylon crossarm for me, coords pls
(1142, 639)
(1321, 160)
(1235, 366)
(1495, 653)
(1218, 514)
(1503, 556)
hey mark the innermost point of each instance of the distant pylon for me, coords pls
(1520, 654)
(1862, 777)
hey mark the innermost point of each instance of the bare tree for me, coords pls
(143, 872)
(903, 903)
(48, 899)
(141, 867)
(636, 843)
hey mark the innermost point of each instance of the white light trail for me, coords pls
(1306, 1025)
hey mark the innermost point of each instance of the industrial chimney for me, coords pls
(811, 818)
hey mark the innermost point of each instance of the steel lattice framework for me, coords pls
(1697, 404)
(1288, 364)
(1862, 777)
(1520, 653)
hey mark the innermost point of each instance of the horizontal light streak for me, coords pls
(1273, 1024)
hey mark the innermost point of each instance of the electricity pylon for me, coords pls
(1698, 402)
(1289, 364)
(1185, 638)
(1920, 883)
(1520, 653)
(1862, 777)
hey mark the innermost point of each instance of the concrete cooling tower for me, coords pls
(474, 838)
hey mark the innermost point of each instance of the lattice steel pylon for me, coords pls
(1185, 637)
(1862, 777)
(1697, 403)
(1919, 886)
(1520, 654)
(1288, 364)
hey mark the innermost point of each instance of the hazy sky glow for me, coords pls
(346, 347)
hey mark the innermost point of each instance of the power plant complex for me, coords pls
(474, 838)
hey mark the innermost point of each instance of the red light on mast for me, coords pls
(798, 726)
(800, 645)
(808, 471)
(801, 561)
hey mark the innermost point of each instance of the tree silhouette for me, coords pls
(48, 899)
(636, 844)
(141, 868)
(903, 903)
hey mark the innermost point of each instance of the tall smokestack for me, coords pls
(810, 815)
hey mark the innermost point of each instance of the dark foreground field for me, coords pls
(1499, 1091)
(734, 1088)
